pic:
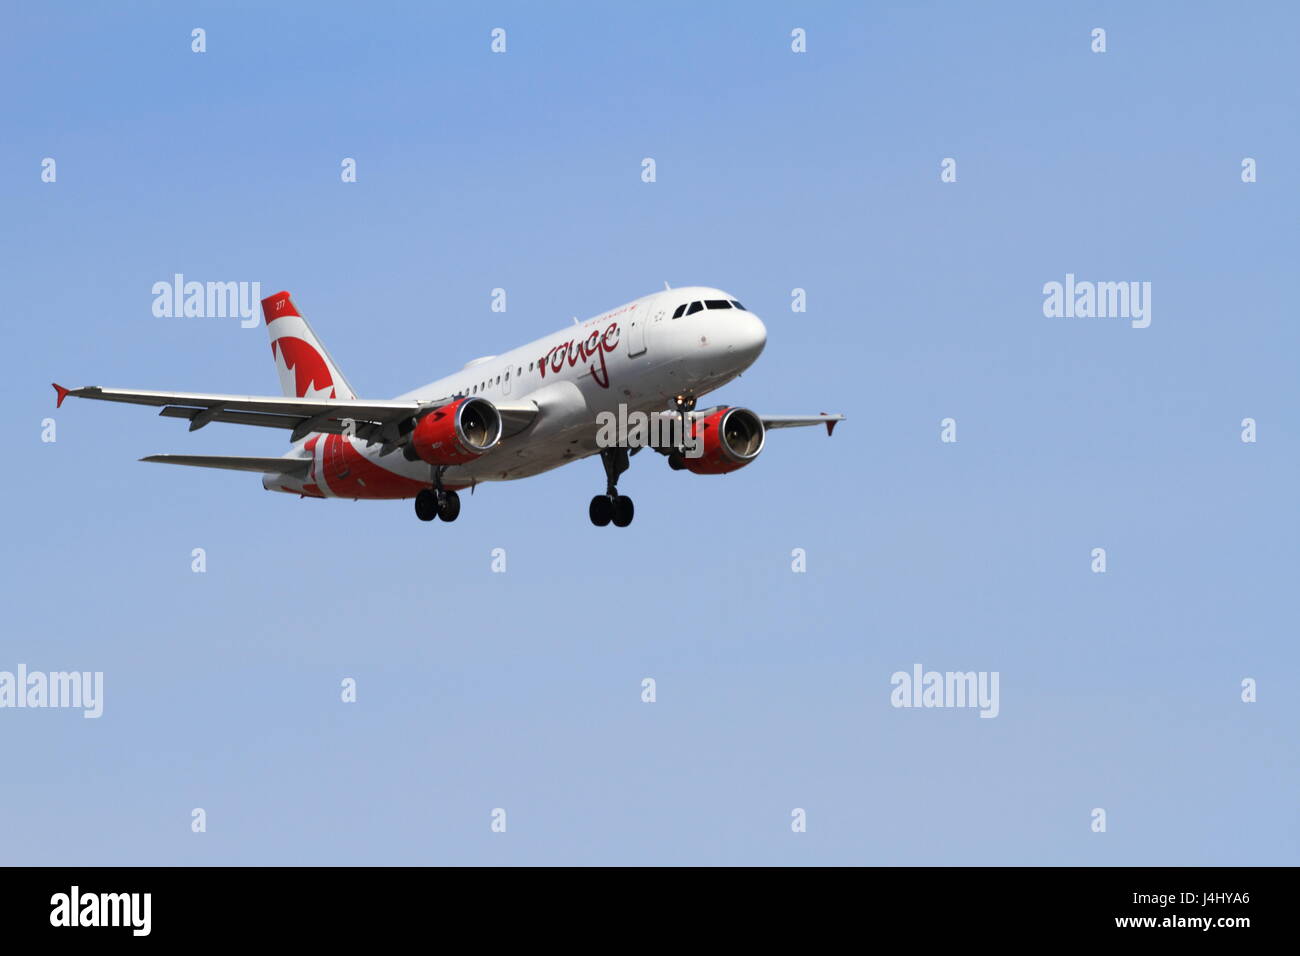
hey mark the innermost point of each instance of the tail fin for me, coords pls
(306, 369)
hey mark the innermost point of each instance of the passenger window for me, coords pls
(717, 303)
(737, 305)
(695, 307)
(680, 309)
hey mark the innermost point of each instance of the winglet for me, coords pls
(61, 392)
(830, 425)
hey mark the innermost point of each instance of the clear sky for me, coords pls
(775, 171)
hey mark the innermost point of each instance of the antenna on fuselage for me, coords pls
(667, 287)
(575, 320)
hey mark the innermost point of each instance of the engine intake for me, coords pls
(455, 433)
(732, 437)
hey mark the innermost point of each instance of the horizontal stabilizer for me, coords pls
(280, 466)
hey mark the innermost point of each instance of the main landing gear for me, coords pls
(616, 509)
(611, 506)
(436, 502)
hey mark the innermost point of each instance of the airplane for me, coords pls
(501, 417)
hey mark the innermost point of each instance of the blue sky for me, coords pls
(775, 171)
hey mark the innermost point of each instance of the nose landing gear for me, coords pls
(611, 506)
(685, 404)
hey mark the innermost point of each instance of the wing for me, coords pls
(373, 420)
(770, 421)
(798, 421)
(297, 467)
(516, 416)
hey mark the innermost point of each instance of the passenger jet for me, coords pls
(500, 417)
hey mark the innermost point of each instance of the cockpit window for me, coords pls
(717, 303)
(680, 309)
(695, 307)
(737, 305)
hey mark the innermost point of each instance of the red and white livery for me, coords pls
(500, 417)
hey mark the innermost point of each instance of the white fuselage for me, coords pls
(637, 355)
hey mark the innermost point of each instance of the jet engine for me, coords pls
(455, 433)
(731, 439)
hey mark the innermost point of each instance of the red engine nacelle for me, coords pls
(457, 432)
(732, 438)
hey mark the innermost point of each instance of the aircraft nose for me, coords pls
(746, 336)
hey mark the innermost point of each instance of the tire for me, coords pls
(449, 510)
(601, 510)
(426, 505)
(623, 511)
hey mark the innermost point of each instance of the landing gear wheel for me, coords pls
(449, 507)
(601, 510)
(623, 511)
(426, 505)
(611, 506)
